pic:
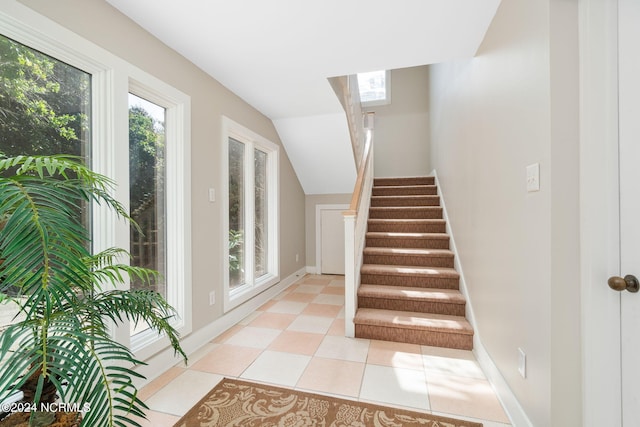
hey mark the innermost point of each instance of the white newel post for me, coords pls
(349, 273)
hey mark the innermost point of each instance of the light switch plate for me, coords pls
(533, 177)
(522, 363)
(212, 195)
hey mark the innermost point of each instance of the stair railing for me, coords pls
(355, 229)
(346, 88)
(355, 219)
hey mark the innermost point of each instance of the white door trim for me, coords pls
(599, 212)
(319, 209)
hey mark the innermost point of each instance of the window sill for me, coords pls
(241, 295)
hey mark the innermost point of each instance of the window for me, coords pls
(45, 109)
(375, 88)
(239, 218)
(158, 194)
(147, 193)
(60, 93)
(251, 247)
(237, 232)
(45, 104)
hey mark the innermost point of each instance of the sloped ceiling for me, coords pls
(278, 54)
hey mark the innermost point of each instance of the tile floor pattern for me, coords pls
(297, 340)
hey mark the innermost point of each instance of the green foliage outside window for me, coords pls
(44, 104)
(60, 285)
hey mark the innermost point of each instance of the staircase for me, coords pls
(408, 286)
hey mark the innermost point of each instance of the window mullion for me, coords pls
(273, 212)
(249, 215)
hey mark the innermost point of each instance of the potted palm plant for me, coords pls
(67, 296)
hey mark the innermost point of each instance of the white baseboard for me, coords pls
(165, 359)
(509, 401)
(512, 407)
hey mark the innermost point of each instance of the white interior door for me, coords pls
(629, 134)
(332, 241)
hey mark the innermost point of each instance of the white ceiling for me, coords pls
(278, 54)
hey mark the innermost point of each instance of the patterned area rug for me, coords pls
(247, 404)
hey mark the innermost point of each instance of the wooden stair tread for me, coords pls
(398, 208)
(407, 225)
(426, 257)
(450, 296)
(383, 250)
(406, 220)
(405, 212)
(402, 187)
(381, 234)
(412, 270)
(424, 189)
(413, 320)
(401, 211)
(406, 197)
(390, 190)
(404, 181)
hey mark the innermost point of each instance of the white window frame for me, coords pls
(177, 197)
(111, 80)
(252, 140)
(387, 91)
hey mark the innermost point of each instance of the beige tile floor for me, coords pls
(297, 340)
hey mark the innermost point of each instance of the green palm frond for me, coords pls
(85, 368)
(68, 295)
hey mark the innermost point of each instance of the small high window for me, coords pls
(375, 88)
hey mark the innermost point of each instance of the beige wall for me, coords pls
(515, 104)
(98, 22)
(401, 137)
(311, 201)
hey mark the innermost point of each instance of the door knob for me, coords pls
(630, 283)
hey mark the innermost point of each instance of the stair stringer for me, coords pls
(514, 410)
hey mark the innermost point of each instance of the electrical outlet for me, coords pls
(297, 257)
(212, 297)
(533, 177)
(522, 363)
